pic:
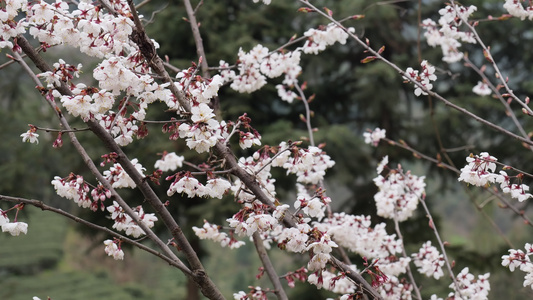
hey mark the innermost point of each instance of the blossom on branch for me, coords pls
(169, 162)
(399, 194)
(447, 34)
(480, 170)
(429, 261)
(112, 249)
(470, 287)
(373, 137)
(30, 136)
(124, 222)
(15, 228)
(118, 177)
(482, 89)
(319, 39)
(212, 232)
(516, 8)
(421, 79)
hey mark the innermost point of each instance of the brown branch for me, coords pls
(43, 206)
(197, 38)
(418, 84)
(356, 277)
(269, 268)
(43, 66)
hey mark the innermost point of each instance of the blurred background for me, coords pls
(64, 260)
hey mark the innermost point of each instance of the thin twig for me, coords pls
(269, 268)
(408, 268)
(489, 57)
(61, 130)
(441, 245)
(307, 114)
(123, 238)
(418, 84)
(197, 38)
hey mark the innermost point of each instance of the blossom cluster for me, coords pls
(396, 288)
(373, 137)
(112, 248)
(312, 205)
(309, 165)
(320, 251)
(14, 228)
(255, 66)
(212, 232)
(520, 259)
(124, 222)
(335, 282)
(468, 287)
(429, 261)
(399, 194)
(517, 9)
(447, 34)
(253, 217)
(73, 188)
(119, 178)
(185, 183)
(169, 162)
(422, 78)
(62, 72)
(480, 172)
(87, 28)
(357, 234)
(319, 39)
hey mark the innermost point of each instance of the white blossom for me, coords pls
(15, 228)
(169, 162)
(482, 89)
(111, 249)
(375, 136)
(30, 136)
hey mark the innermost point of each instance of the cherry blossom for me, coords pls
(3, 217)
(217, 187)
(423, 78)
(250, 78)
(398, 194)
(212, 232)
(470, 287)
(187, 184)
(169, 162)
(118, 176)
(447, 34)
(395, 288)
(337, 283)
(15, 228)
(480, 170)
(266, 2)
(374, 137)
(124, 222)
(516, 8)
(319, 39)
(114, 250)
(309, 165)
(429, 261)
(482, 89)
(73, 188)
(30, 136)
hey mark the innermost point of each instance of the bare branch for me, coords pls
(269, 268)
(110, 232)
